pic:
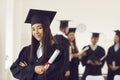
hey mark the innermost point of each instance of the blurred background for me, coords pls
(88, 15)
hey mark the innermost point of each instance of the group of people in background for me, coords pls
(32, 58)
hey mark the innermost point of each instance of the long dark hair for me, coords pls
(46, 43)
(75, 50)
(119, 40)
(75, 47)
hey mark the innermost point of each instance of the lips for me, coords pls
(38, 36)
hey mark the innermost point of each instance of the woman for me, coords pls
(113, 58)
(74, 62)
(30, 63)
(93, 61)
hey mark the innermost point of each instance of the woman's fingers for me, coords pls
(39, 69)
(67, 73)
(23, 64)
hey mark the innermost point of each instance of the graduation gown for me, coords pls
(64, 43)
(113, 56)
(96, 54)
(54, 72)
(74, 72)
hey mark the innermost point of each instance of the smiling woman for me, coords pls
(30, 63)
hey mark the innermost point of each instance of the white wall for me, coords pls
(2, 41)
(98, 15)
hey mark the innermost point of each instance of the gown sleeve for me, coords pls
(64, 44)
(108, 59)
(84, 59)
(56, 69)
(19, 72)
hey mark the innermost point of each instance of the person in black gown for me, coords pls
(62, 39)
(93, 61)
(113, 58)
(32, 58)
(74, 62)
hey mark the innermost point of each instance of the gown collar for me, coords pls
(61, 33)
(93, 47)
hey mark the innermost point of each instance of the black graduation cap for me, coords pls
(95, 34)
(40, 16)
(64, 23)
(72, 30)
(117, 32)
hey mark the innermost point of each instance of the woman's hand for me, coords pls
(98, 63)
(75, 55)
(91, 62)
(114, 68)
(39, 69)
(67, 73)
(83, 54)
(23, 64)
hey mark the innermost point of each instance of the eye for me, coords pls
(40, 27)
(33, 29)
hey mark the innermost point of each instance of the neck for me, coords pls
(70, 41)
(117, 43)
(93, 44)
(62, 30)
(53, 42)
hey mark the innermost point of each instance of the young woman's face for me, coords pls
(94, 40)
(71, 36)
(116, 39)
(37, 31)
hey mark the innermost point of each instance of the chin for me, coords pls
(38, 39)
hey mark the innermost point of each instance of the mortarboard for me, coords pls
(95, 35)
(40, 16)
(72, 30)
(117, 32)
(64, 23)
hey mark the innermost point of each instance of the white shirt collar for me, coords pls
(116, 47)
(39, 50)
(72, 46)
(117, 44)
(61, 33)
(40, 45)
(93, 47)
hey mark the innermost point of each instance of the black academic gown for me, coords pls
(113, 56)
(64, 43)
(74, 72)
(54, 72)
(93, 55)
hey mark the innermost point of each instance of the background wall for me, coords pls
(2, 39)
(97, 15)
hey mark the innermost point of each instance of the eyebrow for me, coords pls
(39, 25)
